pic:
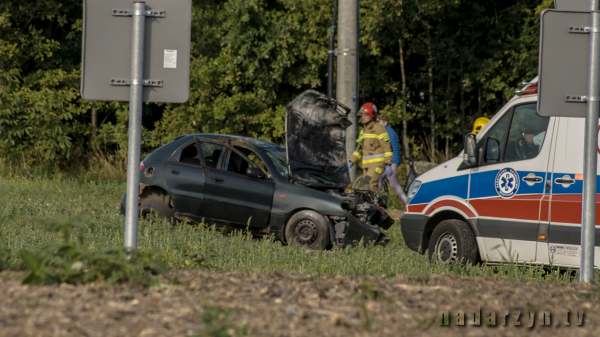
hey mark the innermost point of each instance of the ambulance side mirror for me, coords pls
(470, 153)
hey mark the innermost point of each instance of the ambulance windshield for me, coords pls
(521, 140)
(527, 133)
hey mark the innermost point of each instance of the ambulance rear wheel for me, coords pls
(453, 241)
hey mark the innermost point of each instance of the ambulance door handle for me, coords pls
(564, 181)
(534, 179)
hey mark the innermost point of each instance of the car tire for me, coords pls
(157, 208)
(453, 241)
(308, 228)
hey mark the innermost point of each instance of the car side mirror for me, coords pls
(470, 153)
(255, 172)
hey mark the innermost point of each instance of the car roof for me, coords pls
(253, 141)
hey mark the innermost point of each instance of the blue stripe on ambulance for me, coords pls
(483, 184)
(454, 186)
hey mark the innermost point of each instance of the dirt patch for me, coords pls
(293, 304)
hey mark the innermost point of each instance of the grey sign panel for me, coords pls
(572, 5)
(563, 63)
(106, 52)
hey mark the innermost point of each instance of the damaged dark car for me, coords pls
(295, 193)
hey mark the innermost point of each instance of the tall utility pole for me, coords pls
(347, 69)
(331, 52)
(590, 148)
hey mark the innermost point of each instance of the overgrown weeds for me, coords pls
(72, 261)
(107, 165)
(94, 164)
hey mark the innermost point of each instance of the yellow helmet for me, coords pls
(479, 124)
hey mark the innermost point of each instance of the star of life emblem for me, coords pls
(507, 183)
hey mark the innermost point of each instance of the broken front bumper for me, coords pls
(352, 231)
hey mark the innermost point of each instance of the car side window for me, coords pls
(527, 133)
(211, 153)
(258, 162)
(239, 164)
(189, 155)
(495, 140)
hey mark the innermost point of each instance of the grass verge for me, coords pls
(25, 201)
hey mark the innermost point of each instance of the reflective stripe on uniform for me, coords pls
(371, 161)
(357, 154)
(384, 136)
(376, 158)
(389, 154)
(370, 135)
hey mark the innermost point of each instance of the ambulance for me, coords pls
(513, 195)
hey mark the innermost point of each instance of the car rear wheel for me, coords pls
(153, 207)
(453, 241)
(308, 228)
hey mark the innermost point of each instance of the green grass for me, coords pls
(25, 201)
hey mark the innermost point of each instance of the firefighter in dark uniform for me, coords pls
(375, 145)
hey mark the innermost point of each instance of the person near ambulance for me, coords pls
(479, 124)
(375, 145)
(391, 171)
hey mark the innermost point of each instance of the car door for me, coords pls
(232, 196)
(507, 188)
(564, 233)
(185, 179)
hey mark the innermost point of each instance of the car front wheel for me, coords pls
(453, 241)
(308, 228)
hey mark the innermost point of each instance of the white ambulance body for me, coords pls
(518, 200)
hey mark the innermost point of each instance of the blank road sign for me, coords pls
(563, 63)
(106, 52)
(572, 5)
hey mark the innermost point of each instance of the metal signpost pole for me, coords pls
(347, 69)
(588, 226)
(135, 124)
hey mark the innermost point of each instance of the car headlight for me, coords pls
(412, 190)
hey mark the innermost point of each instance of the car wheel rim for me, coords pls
(447, 248)
(306, 232)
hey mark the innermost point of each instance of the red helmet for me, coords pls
(369, 109)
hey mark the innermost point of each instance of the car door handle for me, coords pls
(218, 181)
(564, 181)
(534, 179)
(175, 172)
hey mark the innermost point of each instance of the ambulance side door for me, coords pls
(564, 233)
(507, 187)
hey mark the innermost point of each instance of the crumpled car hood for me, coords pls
(316, 139)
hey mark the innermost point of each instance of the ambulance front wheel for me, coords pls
(453, 241)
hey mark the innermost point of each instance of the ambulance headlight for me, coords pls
(412, 190)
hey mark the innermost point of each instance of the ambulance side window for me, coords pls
(527, 133)
(495, 140)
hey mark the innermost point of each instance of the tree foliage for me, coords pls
(250, 58)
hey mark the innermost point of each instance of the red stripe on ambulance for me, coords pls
(522, 207)
(450, 203)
